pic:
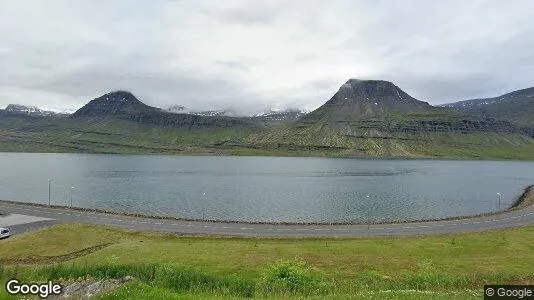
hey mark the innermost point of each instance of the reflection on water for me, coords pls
(277, 189)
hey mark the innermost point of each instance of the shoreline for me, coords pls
(526, 199)
(290, 155)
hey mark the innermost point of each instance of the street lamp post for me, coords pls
(71, 189)
(203, 205)
(48, 192)
(368, 214)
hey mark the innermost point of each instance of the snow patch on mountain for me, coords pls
(34, 110)
(270, 112)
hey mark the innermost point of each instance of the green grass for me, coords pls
(180, 266)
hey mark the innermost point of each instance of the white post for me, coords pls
(203, 207)
(499, 204)
(48, 192)
(368, 215)
(71, 189)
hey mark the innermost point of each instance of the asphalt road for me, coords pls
(58, 215)
(27, 227)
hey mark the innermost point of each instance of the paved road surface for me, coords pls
(26, 227)
(57, 215)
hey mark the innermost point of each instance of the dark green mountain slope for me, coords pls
(516, 107)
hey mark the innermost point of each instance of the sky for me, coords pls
(254, 55)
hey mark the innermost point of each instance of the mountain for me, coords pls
(371, 118)
(360, 99)
(516, 107)
(381, 105)
(377, 118)
(32, 111)
(124, 105)
(114, 104)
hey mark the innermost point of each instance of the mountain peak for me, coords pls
(357, 99)
(370, 86)
(111, 103)
(367, 81)
(120, 96)
(377, 93)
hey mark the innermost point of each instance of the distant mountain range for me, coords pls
(30, 111)
(363, 118)
(271, 115)
(180, 109)
(517, 107)
(286, 115)
(268, 116)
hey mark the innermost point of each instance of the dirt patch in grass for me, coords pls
(53, 259)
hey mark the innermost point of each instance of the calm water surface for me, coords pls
(276, 189)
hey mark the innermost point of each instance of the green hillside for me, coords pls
(112, 135)
(516, 107)
(364, 118)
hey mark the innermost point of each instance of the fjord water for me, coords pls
(265, 189)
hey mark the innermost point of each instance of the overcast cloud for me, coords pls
(250, 55)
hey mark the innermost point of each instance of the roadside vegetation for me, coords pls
(170, 267)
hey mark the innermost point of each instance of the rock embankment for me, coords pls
(526, 199)
(88, 289)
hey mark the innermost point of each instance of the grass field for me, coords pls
(172, 267)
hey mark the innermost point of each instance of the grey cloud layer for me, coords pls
(251, 55)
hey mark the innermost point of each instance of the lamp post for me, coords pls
(71, 189)
(368, 214)
(203, 207)
(499, 203)
(48, 192)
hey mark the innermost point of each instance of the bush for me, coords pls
(293, 276)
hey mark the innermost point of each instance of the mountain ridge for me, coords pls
(371, 118)
(124, 105)
(516, 107)
(30, 110)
